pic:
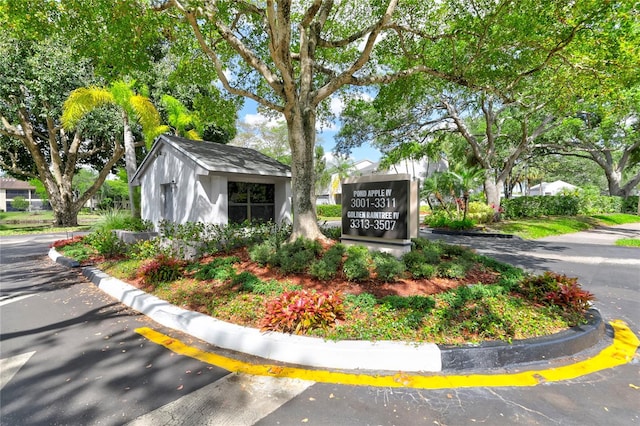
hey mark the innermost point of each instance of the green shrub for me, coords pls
(78, 251)
(247, 281)
(421, 264)
(113, 219)
(452, 269)
(356, 266)
(300, 311)
(387, 267)
(263, 253)
(160, 269)
(556, 289)
(363, 301)
(20, 203)
(293, 258)
(480, 212)
(332, 232)
(323, 269)
(220, 268)
(585, 202)
(145, 249)
(106, 242)
(417, 303)
(630, 205)
(329, 210)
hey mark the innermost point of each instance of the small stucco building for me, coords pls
(183, 181)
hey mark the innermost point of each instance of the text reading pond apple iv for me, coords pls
(375, 209)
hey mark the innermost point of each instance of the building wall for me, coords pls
(35, 203)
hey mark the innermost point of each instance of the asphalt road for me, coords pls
(70, 355)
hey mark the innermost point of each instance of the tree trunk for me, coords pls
(301, 123)
(65, 215)
(492, 192)
(130, 164)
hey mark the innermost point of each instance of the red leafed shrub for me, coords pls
(67, 242)
(556, 289)
(301, 310)
(161, 269)
(570, 295)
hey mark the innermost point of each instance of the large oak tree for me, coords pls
(291, 56)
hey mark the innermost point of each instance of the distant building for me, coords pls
(551, 188)
(11, 188)
(417, 169)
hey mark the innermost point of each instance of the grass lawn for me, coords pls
(17, 223)
(629, 242)
(534, 228)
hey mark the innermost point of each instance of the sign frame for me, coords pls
(380, 211)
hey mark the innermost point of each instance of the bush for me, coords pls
(356, 266)
(106, 242)
(480, 212)
(327, 267)
(442, 220)
(296, 257)
(332, 232)
(121, 219)
(421, 263)
(220, 268)
(247, 281)
(556, 289)
(145, 249)
(329, 210)
(630, 205)
(20, 203)
(453, 269)
(584, 202)
(300, 311)
(263, 253)
(160, 269)
(417, 303)
(387, 267)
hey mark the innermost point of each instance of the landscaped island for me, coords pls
(252, 276)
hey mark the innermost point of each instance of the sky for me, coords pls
(249, 114)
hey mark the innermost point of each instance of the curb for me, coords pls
(501, 354)
(344, 354)
(438, 231)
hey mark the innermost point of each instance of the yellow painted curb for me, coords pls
(621, 351)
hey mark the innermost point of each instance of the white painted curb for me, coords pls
(302, 350)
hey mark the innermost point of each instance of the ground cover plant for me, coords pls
(437, 292)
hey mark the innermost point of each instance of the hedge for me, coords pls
(567, 205)
(329, 210)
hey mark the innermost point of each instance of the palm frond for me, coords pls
(82, 101)
(145, 112)
(152, 134)
(193, 135)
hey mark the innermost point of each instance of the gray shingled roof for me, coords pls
(216, 157)
(9, 183)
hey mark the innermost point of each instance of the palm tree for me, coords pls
(341, 169)
(467, 178)
(437, 184)
(133, 108)
(183, 122)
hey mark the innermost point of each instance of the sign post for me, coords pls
(381, 212)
